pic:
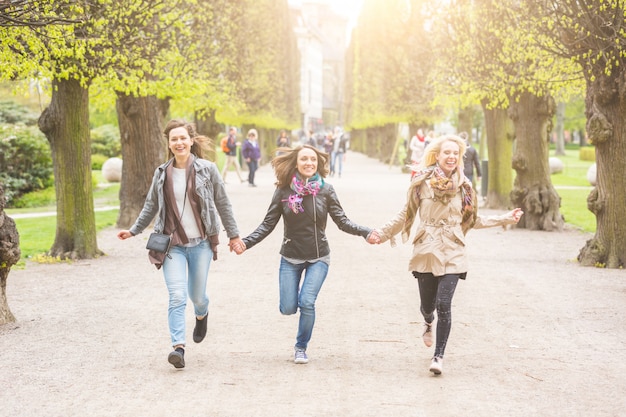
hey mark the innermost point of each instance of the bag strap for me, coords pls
(177, 220)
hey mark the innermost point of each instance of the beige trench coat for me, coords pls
(439, 242)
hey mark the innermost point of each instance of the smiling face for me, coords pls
(448, 157)
(180, 143)
(306, 163)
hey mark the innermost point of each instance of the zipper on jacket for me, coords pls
(317, 246)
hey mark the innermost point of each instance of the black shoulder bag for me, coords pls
(160, 242)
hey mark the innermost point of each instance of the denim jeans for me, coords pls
(185, 274)
(292, 295)
(253, 165)
(436, 293)
(336, 157)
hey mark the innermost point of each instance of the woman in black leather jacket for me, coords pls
(304, 200)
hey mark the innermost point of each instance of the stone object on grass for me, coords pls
(112, 170)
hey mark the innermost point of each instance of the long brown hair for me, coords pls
(201, 144)
(285, 164)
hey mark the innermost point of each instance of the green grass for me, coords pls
(573, 188)
(37, 233)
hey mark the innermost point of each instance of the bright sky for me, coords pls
(347, 8)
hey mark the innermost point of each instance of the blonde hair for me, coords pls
(434, 148)
(285, 164)
(253, 132)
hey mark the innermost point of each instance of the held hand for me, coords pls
(516, 214)
(124, 234)
(373, 238)
(237, 246)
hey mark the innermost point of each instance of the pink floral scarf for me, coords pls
(301, 188)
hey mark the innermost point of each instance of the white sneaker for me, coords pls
(427, 334)
(436, 366)
(300, 356)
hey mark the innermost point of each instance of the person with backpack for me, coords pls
(229, 146)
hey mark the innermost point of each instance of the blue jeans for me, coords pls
(253, 165)
(337, 156)
(185, 274)
(292, 295)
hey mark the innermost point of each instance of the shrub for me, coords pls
(14, 113)
(97, 160)
(25, 160)
(587, 153)
(39, 198)
(105, 140)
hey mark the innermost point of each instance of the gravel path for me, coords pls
(534, 334)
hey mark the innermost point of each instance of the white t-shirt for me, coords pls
(188, 221)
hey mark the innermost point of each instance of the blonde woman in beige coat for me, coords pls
(443, 199)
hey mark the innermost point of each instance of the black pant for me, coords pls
(252, 167)
(436, 294)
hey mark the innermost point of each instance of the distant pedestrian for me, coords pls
(470, 160)
(188, 199)
(340, 146)
(445, 203)
(416, 146)
(283, 140)
(431, 136)
(231, 154)
(304, 201)
(252, 155)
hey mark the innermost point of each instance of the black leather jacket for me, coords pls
(304, 233)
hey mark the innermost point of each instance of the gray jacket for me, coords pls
(209, 187)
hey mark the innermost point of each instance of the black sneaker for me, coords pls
(177, 358)
(200, 330)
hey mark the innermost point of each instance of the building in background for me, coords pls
(311, 66)
(322, 44)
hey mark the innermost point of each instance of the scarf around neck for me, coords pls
(445, 188)
(301, 188)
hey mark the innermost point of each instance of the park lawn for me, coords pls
(37, 233)
(573, 188)
(574, 209)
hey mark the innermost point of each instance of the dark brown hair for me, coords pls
(285, 164)
(201, 144)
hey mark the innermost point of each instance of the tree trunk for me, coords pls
(358, 140)
(583, 137)
(9, 255)
(267, 144)
(371, 133)
(387, 142)
(143, 149)
(466, 120)
(606, 124)
(66, 125)
(207, 125)
(560, 127)
(499, 130)
(533, 190)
